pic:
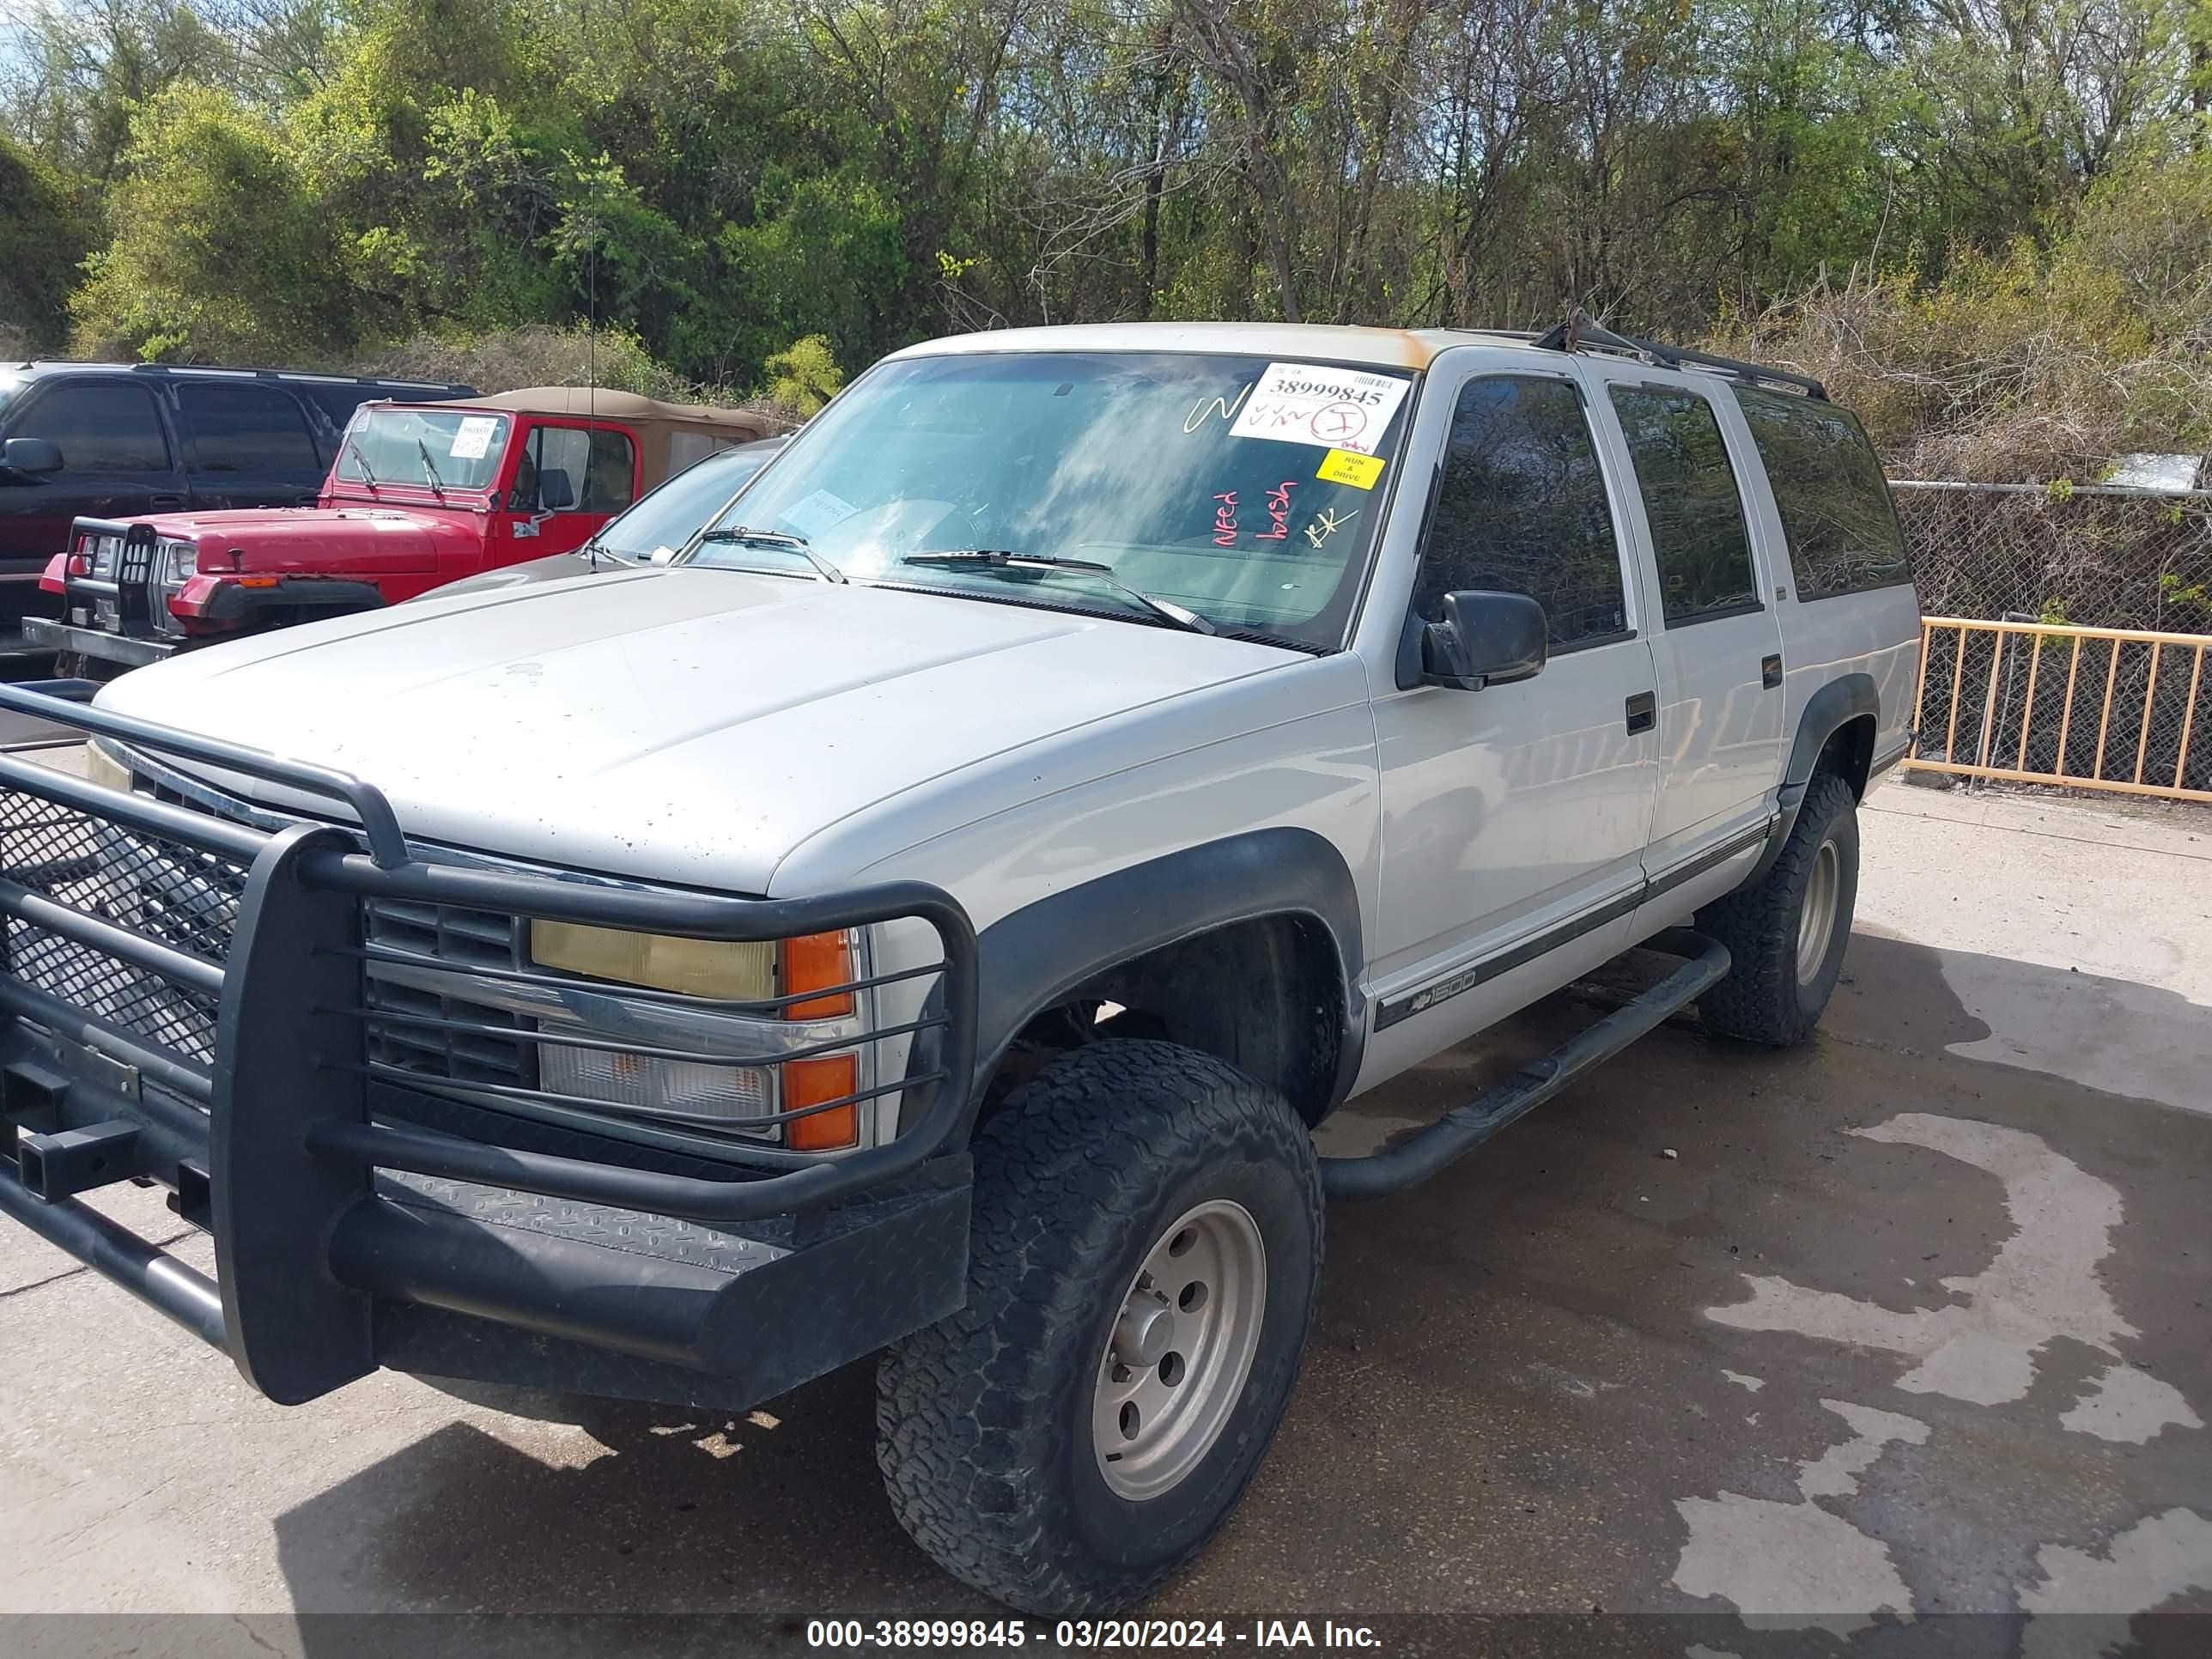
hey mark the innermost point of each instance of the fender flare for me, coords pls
(1034, 958)
(232, 603)
(1842, 699)
(1845, 698)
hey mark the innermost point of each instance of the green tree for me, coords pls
(44, 225)
(804, 376)
(220, 249)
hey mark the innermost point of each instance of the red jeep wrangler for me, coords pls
(419, 495)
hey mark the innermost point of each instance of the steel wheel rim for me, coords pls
(1179, 1350)
(1816, 916)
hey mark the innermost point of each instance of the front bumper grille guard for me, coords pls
(271, 1143)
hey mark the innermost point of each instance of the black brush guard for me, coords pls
(346, 1235)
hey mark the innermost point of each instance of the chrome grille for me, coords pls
(157, 888)
(440, 936)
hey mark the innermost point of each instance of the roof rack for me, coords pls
(287, 374)
(1579, 332)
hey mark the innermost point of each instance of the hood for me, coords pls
(557, 566)
(273, 539)
(680, 725)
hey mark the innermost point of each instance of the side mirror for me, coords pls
(1485, 639)
(555, 493)
(30, 455)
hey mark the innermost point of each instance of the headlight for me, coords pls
(661, 962)
(668, 1088)
(181, 560)
(724, 971)
(103, 551)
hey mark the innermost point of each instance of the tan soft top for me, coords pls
(669, 436)
(573, 400)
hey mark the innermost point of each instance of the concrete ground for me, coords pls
(1809, 1346)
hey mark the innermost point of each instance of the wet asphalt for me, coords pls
(1966, 1373)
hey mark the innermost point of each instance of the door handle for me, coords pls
(166, 503)
(1643, 711)
(1770, 671)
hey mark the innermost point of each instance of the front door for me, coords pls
(1716, 641)
(117, 463)
(1513, 816)
(568, 481)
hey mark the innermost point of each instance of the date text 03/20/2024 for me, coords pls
(1086, 1634)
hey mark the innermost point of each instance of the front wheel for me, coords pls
(1145, 1258)
(1788, 931)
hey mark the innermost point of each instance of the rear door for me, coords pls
(117, 462)
(1716, 640)
(248, 445)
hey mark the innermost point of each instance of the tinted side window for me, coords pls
(599, 465)
(1682, 471)
(1835, 503)
(246, 428)
(100, 427)
(1522, 509)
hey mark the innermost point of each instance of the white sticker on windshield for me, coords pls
(1333, 408)
(817, 513)
(473, 441)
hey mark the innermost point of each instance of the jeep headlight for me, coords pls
(181, 560)
(778, 974)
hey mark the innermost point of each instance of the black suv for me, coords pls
(112, 440)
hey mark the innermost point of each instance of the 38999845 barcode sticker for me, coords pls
(1347, 409)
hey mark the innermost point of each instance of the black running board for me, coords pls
(1464, 1128)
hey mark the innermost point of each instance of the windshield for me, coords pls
(1244, 489)
(672, 514)
(464, 448)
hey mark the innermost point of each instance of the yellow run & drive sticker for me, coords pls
(1342, 466)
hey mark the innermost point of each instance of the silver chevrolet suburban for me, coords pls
(930, 915)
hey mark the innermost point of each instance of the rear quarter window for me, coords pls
(1829, 489)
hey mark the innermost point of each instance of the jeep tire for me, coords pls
(1787, 932)
(1144, 1260)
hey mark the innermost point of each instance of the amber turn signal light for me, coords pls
(810, 1082)
(817, 963)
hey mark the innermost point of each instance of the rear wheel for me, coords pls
(1787, 934)
(1146, 1253)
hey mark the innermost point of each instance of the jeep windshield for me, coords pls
(1246, 490)
(431, 449)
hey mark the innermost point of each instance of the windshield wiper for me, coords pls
(361, 461)
(743, 537)
(437, 484)
(995, 559)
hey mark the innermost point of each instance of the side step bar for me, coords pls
(1464, 1128)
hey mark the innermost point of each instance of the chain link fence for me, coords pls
(2093, 555)
(2068, 635)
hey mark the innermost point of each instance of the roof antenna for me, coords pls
(591, 344)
